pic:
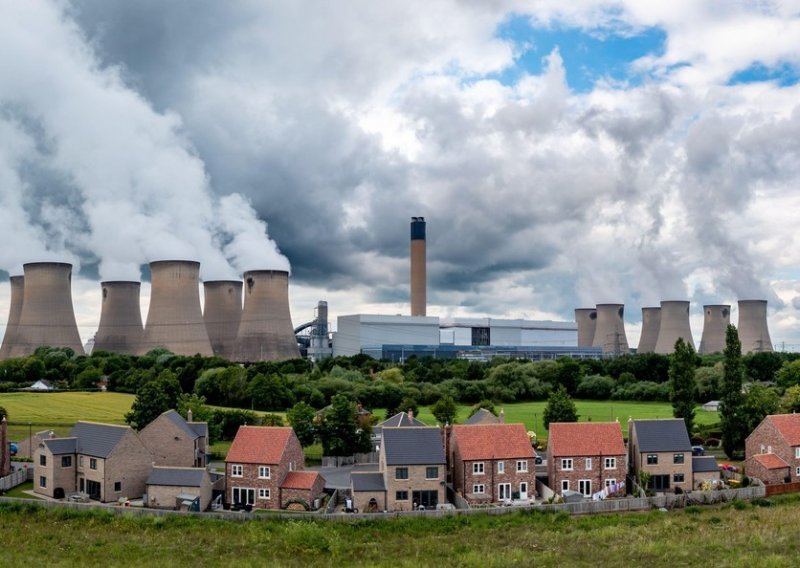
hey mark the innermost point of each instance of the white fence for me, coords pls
(12, 480)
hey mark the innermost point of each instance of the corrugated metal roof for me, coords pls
(97, 440)
(413, 446)
(61, 445)
(368, 482)
(177, 476)
(662, 435)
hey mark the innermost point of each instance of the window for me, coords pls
(522, 466)
(588, 464)
(80, 461)
(401, 496)
(481, 336)
(244, 496)
(263, 472)
(43, 481)
(566, 464)
(677, 458)
(610, 463)
(504, 491)
(565, 485)
(401, 473)
(797, 471)
(796, 453)
(92, 463)
(431, 473)
(677, 478)
(117, 486)
(478, 489)
(263, 494)
(42, 460)
(763, 449)
(477, 468)
(66, 461)
(769, 449)
(501, 467)
(652, 459)
(610, 482)
(237, 470)
(585, 487)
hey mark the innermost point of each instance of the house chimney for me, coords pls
(418, 267)
(502, 416)
(189, 415)
(411, 414)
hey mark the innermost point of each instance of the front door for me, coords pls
(585, 487)
(659, 482)
(504, 491)
(82, 485)
(93, 489)
(523, 490)
(244, 496)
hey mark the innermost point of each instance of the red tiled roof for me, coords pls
(585, 439)
(259, 444)
(789, 427)
(492, 441)
(300, 480)
(770, 461)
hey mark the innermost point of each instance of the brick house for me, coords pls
(705, 472)
(585, 457)
(174, 441)
(778, 434)
(493, 463)
(105, 461)
(662, 449)
(413, 465)
(179, 488)
(257, 466)
(301, 487)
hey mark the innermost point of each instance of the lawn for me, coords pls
(18, 491)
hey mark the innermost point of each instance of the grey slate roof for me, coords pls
(662, 435)
(482, 416)
(413, 446)
(399, 420)
(61, 445)
(200, 428)
(97, 440)
(368, 482)
(704, 463)
(177, 476)
(178, 420)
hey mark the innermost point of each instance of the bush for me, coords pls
(595, 387)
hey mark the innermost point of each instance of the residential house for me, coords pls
(302, 490)
(778, 434)
(412, 461)
(399, 420)
(368, 489)
(586, 457)
(41, 385)
(258, 465)
(105, 461)
(26, 447)
(179, 488)
(662, 449)
(483, 416)
(705, 472)
(493, 463)
(174, 441)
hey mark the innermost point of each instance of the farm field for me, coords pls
(741, 534)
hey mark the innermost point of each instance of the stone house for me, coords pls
(705, 472)
(662, 449)
(26, 447)
(778, 434)
(368, 489)
(586, 457)
(413, 463)
(174, 441)
(399, 420)
(483, 416)
(105, 461)
(493, 463)
(179, 488)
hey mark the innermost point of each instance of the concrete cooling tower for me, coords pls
(174, 319)
(120, 329)
(610, 331)
(15, 310)
(651, 323)
(715, 323)
(753, 330)
(47, 317)
(222, 313)
(586, 318)
(674, 324)
(266, 332)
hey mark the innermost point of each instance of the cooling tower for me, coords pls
(674, 324)
(120, 329)
(47, 317)
(651, 322)
(715, 323)
(418, 268)
(222, 314)
(586, 318)
(753, 330)
(266, 332)
(174, 319)
(15, 310)
(610, 331)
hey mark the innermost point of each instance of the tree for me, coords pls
(200, 413)
(484, 404)
(790, 401)
(445, 410)
(3, 413)
(151, 400)
(789, 374)
(406, 404)
(682, 387)
(301, 419)
(560, 408)
(569, 373)
(339, 430)
(759, 402)
(734, 428)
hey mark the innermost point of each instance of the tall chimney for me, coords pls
(753, 329)
(674, 324)
(266, 332)
(47, 317)
(609, 334)
(120, 329)
(651, 322)
(715, 324)
(586, 318)
(15, 309)
(222, 314)
(174, 319)
(418, 268)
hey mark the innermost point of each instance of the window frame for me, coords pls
(401, 495)
(43, 460)
(117, 486)
(678, 459)
(261, 469)
(43, 481)
(237, 470)
(93, 463)
(584, 483)
(610, 463)
(431, 469)
(564, 485)
(676, 476)
(501, 467)
(587, 464)
(264, 493)
(66, 461)
(652, 459)
(522, 466)
(478, 468)
(401, 473)
(567, 464)
(479, 489)
(796, 453)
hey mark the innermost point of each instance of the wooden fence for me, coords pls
(782, 488)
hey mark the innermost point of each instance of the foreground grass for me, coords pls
(745, 535)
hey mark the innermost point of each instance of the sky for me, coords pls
(564, 154)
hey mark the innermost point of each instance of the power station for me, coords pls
(14, 313)
(586, 318)
(674, 325)
(609, 335)
(120, 329)
(753, 330)
(222, 313)
(651, 323)
(716, 319)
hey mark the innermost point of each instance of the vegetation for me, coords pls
(560, 408)
(682, 384)
(734, 427)
(445, 410)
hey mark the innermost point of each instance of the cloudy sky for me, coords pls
(563, 153)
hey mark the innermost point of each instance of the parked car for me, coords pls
(12, 447)
(698, 451)
(538, 460)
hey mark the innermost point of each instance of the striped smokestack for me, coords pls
(419, 277)
(609, 334)
(715, 324)
(222, 314)
(47, 316)
(651, 322)
(120, 329)
(174, 318)
(15, 309)
(753, 329)
(586, 318)
(674, 324)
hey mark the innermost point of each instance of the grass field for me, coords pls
(732, 535)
